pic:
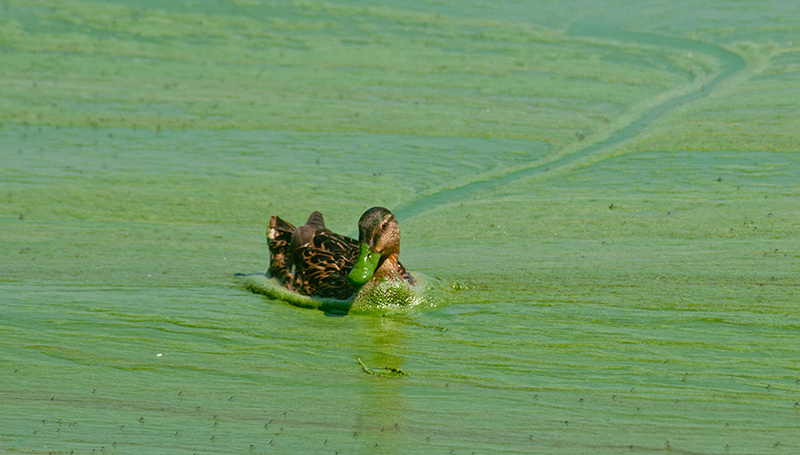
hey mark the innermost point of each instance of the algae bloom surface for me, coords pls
(604, 198)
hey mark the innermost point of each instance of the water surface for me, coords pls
(609, 206)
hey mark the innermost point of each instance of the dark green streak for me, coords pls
(730, 65)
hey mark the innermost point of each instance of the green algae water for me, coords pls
(604, 198)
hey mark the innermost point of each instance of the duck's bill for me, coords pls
(365, 267)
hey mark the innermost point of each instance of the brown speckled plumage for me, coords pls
(314, 261)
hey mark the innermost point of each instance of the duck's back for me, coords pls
(318, 260)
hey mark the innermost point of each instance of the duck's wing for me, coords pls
(322, 265)
(279, 237)
(344, 249)
(319, 274)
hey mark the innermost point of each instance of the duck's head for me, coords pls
(378, 238)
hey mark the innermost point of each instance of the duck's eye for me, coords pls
(384, 224)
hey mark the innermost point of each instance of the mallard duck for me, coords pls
(314, 261)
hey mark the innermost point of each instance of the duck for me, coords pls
(314, 261)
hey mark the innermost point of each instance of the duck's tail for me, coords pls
(279, 236)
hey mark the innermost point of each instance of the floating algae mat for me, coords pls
(613, 188)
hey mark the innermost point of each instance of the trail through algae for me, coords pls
(613, 186)
(730, 65)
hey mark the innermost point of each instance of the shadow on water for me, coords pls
(730, 65)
